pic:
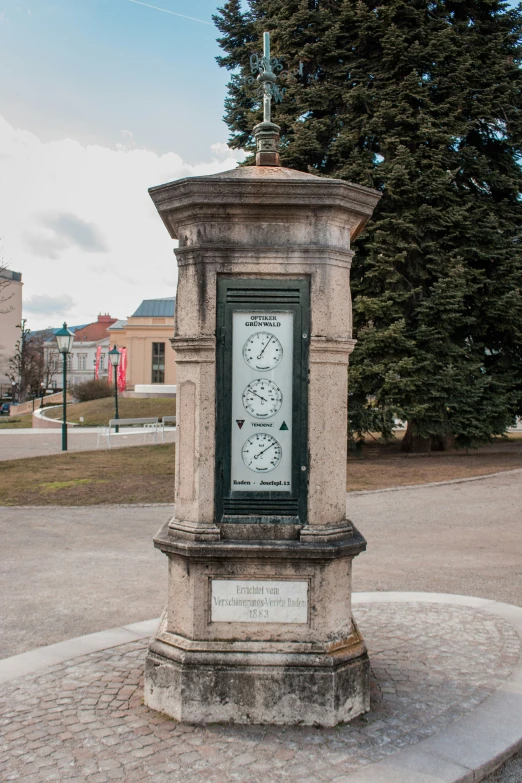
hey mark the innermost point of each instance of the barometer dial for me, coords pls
(261, 452)
(262, 398)
(262, 351)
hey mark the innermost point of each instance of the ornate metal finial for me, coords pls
(267, 69)
(267, 133)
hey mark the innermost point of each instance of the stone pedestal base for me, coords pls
(242, 686)
(302, 660)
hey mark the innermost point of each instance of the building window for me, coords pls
(102, 362)
(158, 362)
(69, 361)
(82, 361)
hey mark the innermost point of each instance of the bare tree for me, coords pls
(34, 362)
(5, 282)
(50, 357)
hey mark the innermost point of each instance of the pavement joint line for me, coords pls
(464, 752)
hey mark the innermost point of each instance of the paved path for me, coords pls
(65, 572)
(17, 444)
(463, 538)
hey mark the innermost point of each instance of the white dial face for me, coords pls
(261, 452)
(262, 398)
(262, 351)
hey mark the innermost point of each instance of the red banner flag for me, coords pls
(122, 370)
(97, 365)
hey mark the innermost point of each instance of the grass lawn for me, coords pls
(139, 474)
(145, 474)
(384, 465)
(98, 412)
(17, 422)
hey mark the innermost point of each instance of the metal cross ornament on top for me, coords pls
(266, 70)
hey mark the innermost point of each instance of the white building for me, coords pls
(81, 362)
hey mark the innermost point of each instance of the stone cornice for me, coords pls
(280, 187)
(304, 255)
(167, 541)
(330, 350)
(194, 349)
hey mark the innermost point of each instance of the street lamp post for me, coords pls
(115, 357)
(42, 387)
(65, 339)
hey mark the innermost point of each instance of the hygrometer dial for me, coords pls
(262, 351)
(262, 398)
(261, 452)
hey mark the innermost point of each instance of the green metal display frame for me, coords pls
(244, 295)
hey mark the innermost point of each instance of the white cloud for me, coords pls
(62, 230)
(49, 306)
(77, 221)
(224, 152)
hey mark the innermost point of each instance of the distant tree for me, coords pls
(50, 357)
(422, 100)
(4, 284)
(34, 362)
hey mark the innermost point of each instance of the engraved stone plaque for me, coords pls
(259, 601)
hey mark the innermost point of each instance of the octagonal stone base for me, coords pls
(258, 687)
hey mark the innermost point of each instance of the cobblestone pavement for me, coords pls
(85, 721)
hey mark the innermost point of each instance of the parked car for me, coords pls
(5, 408)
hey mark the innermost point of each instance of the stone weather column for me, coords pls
(258, 627)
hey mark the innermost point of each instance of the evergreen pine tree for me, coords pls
(422, 100)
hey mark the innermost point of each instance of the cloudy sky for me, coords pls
(99, 100)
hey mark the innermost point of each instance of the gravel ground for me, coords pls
(510, 772)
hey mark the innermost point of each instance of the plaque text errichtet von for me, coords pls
(259, 601)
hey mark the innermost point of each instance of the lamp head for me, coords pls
(65, 339)
(115, 356)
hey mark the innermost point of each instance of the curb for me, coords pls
(42, 657)
(464, 752)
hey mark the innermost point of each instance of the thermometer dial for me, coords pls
(261, 452)
(262, 351)
(262, 398)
